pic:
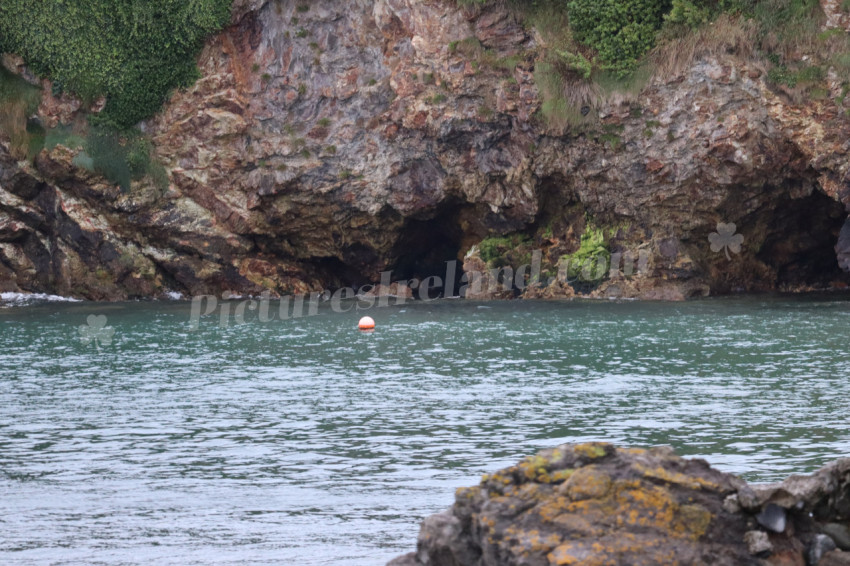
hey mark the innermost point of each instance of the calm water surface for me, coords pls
(307, 442)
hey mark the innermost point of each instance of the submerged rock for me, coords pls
(595, 504)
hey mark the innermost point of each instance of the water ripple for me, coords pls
(307, 442)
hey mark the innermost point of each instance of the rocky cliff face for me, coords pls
(594, 504)
(323, 146)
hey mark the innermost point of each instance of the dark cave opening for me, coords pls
(427, 245)
(799, 241)
(790, 243)
(337, 274)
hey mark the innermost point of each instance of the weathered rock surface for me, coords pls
(320, 148)
(594, 504)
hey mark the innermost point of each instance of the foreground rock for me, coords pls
(594, 504)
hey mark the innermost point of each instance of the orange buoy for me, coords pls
(366, 323)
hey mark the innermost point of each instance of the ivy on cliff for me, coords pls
(615, 35)
(620, 31)
(132, 51)
(694, 13)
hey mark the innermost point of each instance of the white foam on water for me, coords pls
(26, 298)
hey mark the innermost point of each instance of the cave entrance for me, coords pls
(800, 239)
(426, 245)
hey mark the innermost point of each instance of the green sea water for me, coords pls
(137, 440)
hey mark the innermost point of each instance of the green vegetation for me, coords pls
(65, 136)
(620, 31)
(470, 47)
(132, 51)
(18, 101)
(592, 258)
(592, 49)
(781, 74)
(614, 141)
(559, 111)
(588, 266)
(694, 13)
(121, 157)
(588, 35)
(577, 62)
(651, 126)
(785, 33)
(500, 251)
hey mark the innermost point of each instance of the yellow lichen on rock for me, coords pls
(565, 555)
(533, 491)
(660, 473)
(592, 450)
(561, 475)
(550, 509)
(644, 505)
(577, 525)
(466, 493)
(692, 520)
(533, 467)
(587, 483)
(613, 507)
(532, 542)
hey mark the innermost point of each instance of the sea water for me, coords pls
(127, 437)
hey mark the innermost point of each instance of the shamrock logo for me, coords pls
(95, 330)
(726, 239)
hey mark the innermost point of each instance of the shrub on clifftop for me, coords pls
(621, 31)
(694, 13)
(132, 51)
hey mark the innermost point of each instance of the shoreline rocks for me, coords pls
(596, 504)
